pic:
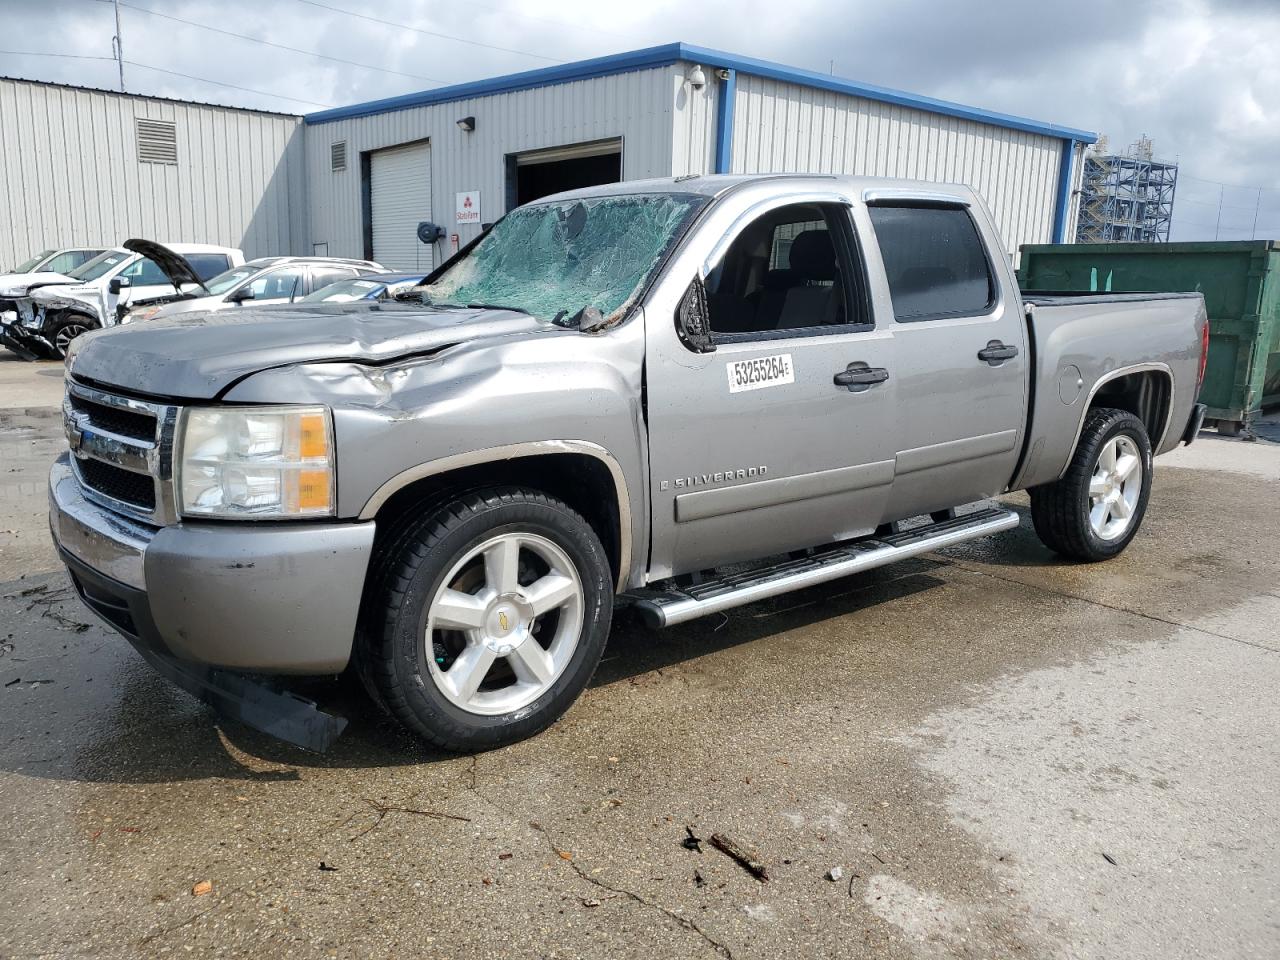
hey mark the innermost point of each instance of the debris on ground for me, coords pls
(201, 888)
(746, 857)
(690, 841)
(590, 902)
(698, 880)
(505, 856)
(325, 868)
(835, 873)
(1109, 858)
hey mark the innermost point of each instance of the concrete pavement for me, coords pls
(1006, 754)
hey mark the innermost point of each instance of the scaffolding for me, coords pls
(1126, 197)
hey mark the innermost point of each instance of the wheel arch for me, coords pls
(1144, 389)
(582, 474)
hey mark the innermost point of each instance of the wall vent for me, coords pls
(157, 140)
(338, 156)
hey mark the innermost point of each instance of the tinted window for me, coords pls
(786, 270)
(935, 262)
(29, 265)
(207, 265)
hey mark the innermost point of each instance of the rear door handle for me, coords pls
(996, 353)
(858, 377)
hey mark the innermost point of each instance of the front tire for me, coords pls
(486, 619)
(1096, 508)
(67, 329)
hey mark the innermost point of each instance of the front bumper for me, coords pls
(28, 343)
(258, 597)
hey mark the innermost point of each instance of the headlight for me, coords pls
(13, 292)
(256, 462)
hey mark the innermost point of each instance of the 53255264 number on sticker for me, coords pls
(760, 372)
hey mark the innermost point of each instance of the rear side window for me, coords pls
(935, 261)
(207, 265)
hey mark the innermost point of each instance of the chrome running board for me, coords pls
(672, 605)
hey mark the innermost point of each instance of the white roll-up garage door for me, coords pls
(400, 199)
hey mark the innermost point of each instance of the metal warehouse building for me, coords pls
(82, 167)
(376, 169)
(85, 166)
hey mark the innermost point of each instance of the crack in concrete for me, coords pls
(562, 855)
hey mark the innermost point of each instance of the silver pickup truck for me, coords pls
(683, 395)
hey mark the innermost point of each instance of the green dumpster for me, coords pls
(1240, 281)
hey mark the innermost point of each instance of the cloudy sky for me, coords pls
(1196, 76)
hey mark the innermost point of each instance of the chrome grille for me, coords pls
(122, 451)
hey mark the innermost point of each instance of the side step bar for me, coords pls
(665, 608)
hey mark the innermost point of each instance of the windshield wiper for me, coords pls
(498, 306)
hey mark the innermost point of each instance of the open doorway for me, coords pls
(539, 173)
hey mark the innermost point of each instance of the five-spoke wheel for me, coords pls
(505, 623)
(486, 617)
(1095, 509)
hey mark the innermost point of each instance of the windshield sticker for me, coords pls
(760, 373)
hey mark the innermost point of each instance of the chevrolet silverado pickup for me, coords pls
(682, 395)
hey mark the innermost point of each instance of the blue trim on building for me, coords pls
(1063, 203)
(673, 52)
(724, 121)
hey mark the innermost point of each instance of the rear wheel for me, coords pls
(487, 618)
(67, 329)
(1097, 507)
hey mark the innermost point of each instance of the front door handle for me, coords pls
(858, 377)
(996, 353)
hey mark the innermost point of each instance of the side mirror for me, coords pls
(241, 295)
(117, 284)
(693, 320)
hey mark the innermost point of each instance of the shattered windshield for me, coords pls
(554, 259)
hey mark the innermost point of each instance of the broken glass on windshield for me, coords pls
(555, 259)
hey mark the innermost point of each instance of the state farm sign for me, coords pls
(468, 207)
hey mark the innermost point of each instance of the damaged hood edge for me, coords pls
(198, 356)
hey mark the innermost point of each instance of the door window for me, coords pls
(282, 284)
(935, 262)
(66, 262)
(145, 273)
(323, 276)
(789, 272)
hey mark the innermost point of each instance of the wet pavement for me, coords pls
(1006, 755)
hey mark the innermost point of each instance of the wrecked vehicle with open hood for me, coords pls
(683, 395)
(101, 290)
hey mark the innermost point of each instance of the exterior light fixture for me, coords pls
(467, 123)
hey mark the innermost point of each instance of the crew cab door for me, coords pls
(776, 433)
(961, 361)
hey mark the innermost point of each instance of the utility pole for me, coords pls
(1256, 207)
(1218, 225)
(117, 45)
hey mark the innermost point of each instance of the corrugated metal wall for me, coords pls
(70, 174)
(693, 146)
(781, 127)
(635, 106)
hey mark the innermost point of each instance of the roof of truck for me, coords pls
(713, 185)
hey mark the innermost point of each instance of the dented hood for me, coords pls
(196, 356)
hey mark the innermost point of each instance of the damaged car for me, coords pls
(46, 268)
(104, 287)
